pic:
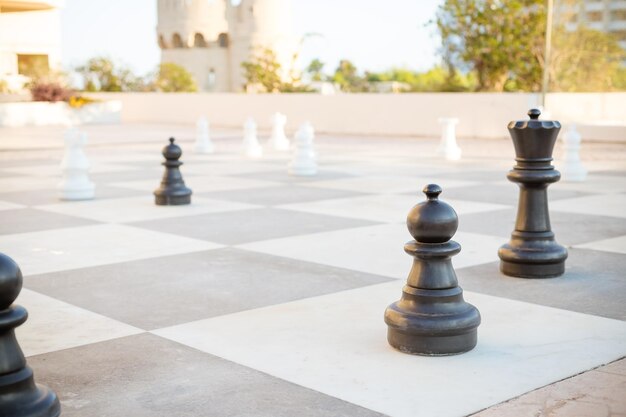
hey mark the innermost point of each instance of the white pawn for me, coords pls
(251, 146)
(448, 147)
(278, 139)
(571, 167)
(203, 138)
(304, 161)
(75, 184)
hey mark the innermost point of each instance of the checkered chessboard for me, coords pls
(265, 296)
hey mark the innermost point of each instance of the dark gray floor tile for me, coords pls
(570, 228)
(148, 376)
(244, 226)
(500, 194)
(48, 196)
(32, 220)
(485, 176)
(287, 194)
(165, 291)
(593, 283)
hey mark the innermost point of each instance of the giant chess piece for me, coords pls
(304, 160)
(203, 138)
(448, 147)
(572, 169)
(75, 184)
(432, 318)
(532, 251)
(278, 139)
(19, 395)
(172, 191)
(251, 146)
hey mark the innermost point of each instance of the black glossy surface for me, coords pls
(172, 191)
(19, 395)
(532, 251)
(432, 318)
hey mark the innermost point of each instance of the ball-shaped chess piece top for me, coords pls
(172, 151)
(432, 221)
(10, 281)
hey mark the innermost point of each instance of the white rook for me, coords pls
(251, 146)
(278, 139)
(304, 160)
(571, 166)
(448, 147)
(75, 184)
(203, 137)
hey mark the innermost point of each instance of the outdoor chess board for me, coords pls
(265, 296)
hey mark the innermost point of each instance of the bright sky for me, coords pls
(374, 34)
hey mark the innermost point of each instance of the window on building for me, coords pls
(595, 16)
(222, 40)
(162, 43)
(198, 41)
(177, 41)
(32, 65)
(618, 15)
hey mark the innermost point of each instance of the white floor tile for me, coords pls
(336, 344)
(200, 184)
(11, 184)
(616, 245)
(4, 205)
(600, 205)
(54, 170)
(595, 184)
(385, 184)
(80, 247)
(373, 249)
(124, 210)
(54, 325)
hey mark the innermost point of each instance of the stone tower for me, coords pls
(211, 38)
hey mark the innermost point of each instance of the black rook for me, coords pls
(172, 191)
(19, 395)
(432, 318)
(532, 251)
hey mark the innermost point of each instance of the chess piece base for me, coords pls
(532, 255)
(21, 397)
(204, 149)
(254, 152)
(87, 193)
(303, 172)
(432, 322)
(451, 154)
(172, 200)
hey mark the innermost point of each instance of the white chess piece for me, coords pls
(203, 138)
(75, 184)
(251, 146)
(571, 167)
(278, 139)
(448, 147)
(304, 160)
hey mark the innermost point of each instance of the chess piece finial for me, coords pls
(532, 251)
(432, 318)
(203, 142)
(278, 139)
(19, 395)
(251, 146)
(304, 159)
(75, 184)
(172, 191)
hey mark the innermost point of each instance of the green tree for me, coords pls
(172, 78)
(263, 70)
(346, 75)
(314, 69)
(100, 74)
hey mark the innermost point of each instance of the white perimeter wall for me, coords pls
(483, 115)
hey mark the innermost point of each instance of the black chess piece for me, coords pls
(172, 191)
(19, 395)
(432, 318)
(532, 251)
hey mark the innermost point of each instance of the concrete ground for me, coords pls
(265, 296)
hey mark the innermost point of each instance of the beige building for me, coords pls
(211, 38)
(603, 15)
(30, 39)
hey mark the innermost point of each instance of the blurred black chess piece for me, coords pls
(172, 191)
